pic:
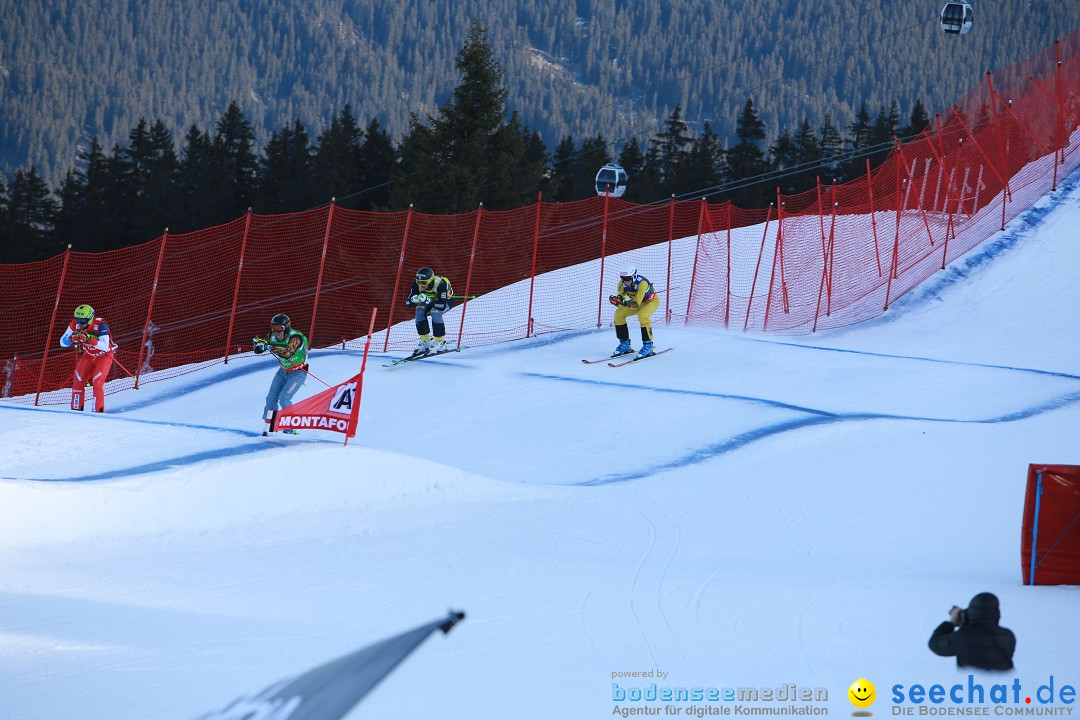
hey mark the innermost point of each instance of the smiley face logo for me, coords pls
(862, 693)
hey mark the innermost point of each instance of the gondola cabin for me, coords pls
(611, 179)
(957, 17)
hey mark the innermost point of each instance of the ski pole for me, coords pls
(311, 374)
(463, 297)
(130, 374)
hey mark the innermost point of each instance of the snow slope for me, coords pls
(742, 511)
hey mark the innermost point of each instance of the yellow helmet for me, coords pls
(84, 313)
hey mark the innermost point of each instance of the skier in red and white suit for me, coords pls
(89, 334)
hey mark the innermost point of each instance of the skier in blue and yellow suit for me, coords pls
(432, 296)
(635, 296)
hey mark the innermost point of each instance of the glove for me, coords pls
(418, 299)
(614, 299)
(629, 302)
(79, 338)
(258, 345)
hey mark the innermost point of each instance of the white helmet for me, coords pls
(628, 272)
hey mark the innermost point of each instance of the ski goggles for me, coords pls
(277, 329)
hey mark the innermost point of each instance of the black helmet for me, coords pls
(424, 276)
(281, 319)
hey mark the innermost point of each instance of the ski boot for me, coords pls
(422, 347)
(646, 350)
(438, 345)
(623, 349)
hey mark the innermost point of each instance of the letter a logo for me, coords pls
(342, 402)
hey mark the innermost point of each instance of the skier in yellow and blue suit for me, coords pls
(635, 296)
(432, 296)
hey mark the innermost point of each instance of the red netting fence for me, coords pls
(833, 256)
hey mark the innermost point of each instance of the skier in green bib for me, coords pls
(290, 349)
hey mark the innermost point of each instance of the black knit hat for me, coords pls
(984, 609)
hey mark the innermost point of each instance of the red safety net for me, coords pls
(829, 257)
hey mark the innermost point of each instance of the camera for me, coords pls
(961, 614)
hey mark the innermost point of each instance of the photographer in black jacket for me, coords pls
(974, 636)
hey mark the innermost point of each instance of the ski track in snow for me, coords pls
(701, 454)
(634, 586)
(929, 291)
(806, 417)
(676, 541)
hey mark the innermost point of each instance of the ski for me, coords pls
(636, 359)
(421, 356)
(609, 357)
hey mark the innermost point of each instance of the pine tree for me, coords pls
(149, 166)
(633, 162)
(29, 216)
(894, 118)
(918, 122)
(648, 186)
(808, 156)
(197, 182)
(831, 145)
(6, 249)
(337, 166)
(784, 154)
(671, 145)
(516, 170)
(71, 210)
(89, 213)
(285, 172)
(536, 154)
(560, 185)
(860, 132)
(702, 169)
(378, 163)
(234, 164)
(470, 153)
(860, 136)
(883, 132)
(746, 161)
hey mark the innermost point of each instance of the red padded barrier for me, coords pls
(1050, 533)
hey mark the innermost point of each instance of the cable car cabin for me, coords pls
(611, 179)
(957, 17)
